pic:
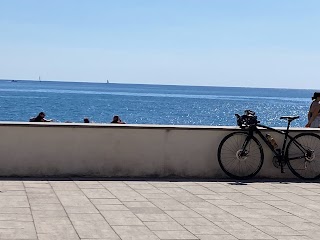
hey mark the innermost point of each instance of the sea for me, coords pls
(149, 104)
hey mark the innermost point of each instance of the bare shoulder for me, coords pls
(314, 106)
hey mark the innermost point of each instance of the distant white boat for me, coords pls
(39, 78)
(107, 81)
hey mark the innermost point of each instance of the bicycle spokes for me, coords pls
(240, 156)
(303, 156)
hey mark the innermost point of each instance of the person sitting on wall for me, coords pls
(40, 118)
(116, 119)
(314, 112)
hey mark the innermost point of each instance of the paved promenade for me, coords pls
(150, 210)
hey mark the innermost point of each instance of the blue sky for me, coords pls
(257, 43)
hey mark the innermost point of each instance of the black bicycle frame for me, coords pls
(280, 155)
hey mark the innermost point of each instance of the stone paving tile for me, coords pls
(187, 198)
(88, 217)
(82, 209)
(149, 191)
(217, 237)
(127, 195)
(168, 204)
(146, 210)
(56, 236)
(113, 184)
(94, 229)
(135, 232)
(49, 214)
(206, 229)
(40, 199)
(139, 204)
(302, 226)
(15, 210)
(262, 222)
(311, 234)
(279, 230)
(89, 184)
(155, 196)
(250, 234)
(12, 193)
(154, 217)
(16, 217)
(95, 238)
(183, 214)
(73, 201)
(140, 186)
(213, 196)
(105, 201)
(224, 217)
(39, 190)
(14, 201)
(193, 221)
(175, 235)
(109, 207)
(74, 193)
(121, 218)
(258, 205)
(97, 193)
(292, 238)
(164, 226)
(18, 233)
(226, 202)
(50, 206)
(315, 220)
(39, 184)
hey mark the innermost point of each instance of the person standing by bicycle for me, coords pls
(314, 111)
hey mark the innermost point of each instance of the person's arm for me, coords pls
(47, 120)
(309, 115)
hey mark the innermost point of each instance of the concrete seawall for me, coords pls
(104, 150)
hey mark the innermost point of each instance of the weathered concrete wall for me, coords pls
(104, 150)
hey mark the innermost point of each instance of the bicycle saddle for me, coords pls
(289, 118)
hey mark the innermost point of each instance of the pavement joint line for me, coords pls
(64, 209)
(34, 224)
(98, 209)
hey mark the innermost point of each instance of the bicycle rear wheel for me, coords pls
(240, 163)
(304, 161)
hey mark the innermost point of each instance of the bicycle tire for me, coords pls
(307, 168)
(235, 166)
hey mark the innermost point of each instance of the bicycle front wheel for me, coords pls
(303, 156)
(237, 162)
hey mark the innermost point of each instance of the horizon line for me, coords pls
(158, 84)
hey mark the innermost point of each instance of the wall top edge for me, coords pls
(135, 126)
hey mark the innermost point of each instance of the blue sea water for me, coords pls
(149, 104)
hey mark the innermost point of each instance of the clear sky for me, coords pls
(257, 43)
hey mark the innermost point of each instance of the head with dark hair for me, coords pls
(86, 120)
(315, 95)
(115, 119)
(41, 115)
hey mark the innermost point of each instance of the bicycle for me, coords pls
(241, 155)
